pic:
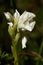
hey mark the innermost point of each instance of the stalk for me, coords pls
(14, 49)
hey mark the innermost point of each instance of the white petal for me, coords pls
(32, 24)
(23, 17)
(10, 24)
(8, 15)
(29, 27)
(25, 26)
(30, 16)
(24, 40)
(17, 15)
(26, 16)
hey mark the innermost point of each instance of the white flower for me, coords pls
(24, 40)
(24, 22)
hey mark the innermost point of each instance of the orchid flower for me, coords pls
(24, 22)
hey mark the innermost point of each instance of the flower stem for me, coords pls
(14, 49)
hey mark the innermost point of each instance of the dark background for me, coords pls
(35, 38)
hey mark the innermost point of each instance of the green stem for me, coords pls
(40, 51)
(14, 49)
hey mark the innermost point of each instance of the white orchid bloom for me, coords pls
(24, 40)
(24, 22)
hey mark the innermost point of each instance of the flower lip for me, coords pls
(24, 40)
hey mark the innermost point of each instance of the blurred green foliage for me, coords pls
(35, 38)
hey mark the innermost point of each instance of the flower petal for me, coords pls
(28, 27)
(24, 40)
(23, 17)
(17, 15)
(10, 24)
(32, 24)
(8, 15)
(26, 16)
